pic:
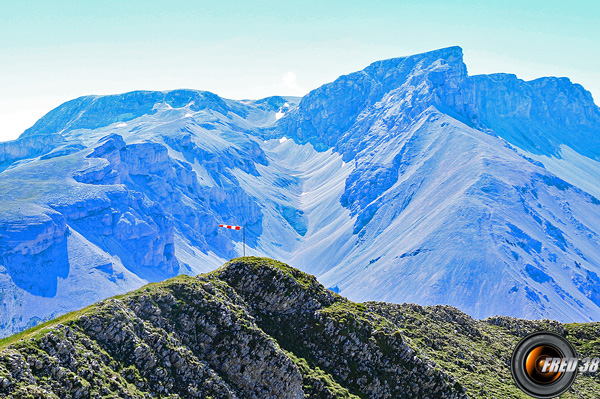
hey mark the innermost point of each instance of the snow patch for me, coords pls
(282, 110)
(122, 124)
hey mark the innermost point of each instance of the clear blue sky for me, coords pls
(53, 51)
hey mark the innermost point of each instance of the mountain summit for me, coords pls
(407, 181)
(537, 116)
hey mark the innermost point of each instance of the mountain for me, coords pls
(408, 181)
(448, 198)
(257, 328)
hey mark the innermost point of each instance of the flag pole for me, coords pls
(243, 228)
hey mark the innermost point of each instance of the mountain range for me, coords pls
(408, 181)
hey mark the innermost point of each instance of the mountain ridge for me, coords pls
(258, 328)
(199, 337)
(416, 182)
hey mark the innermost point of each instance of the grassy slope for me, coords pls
(478, 352)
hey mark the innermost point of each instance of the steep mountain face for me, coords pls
(538, 116)
(439, 196)
(257, 328)
(407, 181)
(109, 206)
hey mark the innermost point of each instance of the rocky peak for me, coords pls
(261, 281)
(327, 113)
(199, 338)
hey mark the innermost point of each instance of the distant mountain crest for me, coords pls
(407, 181)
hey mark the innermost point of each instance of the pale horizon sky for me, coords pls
(52, 52)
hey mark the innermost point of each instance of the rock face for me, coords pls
(28, 147)
(34, 250)
(538, 116)
(257, 328)
(407, 181)
(254, 328)
(101, 208)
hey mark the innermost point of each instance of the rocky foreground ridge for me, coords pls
(257, 328)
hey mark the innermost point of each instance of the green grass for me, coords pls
(45, 327)
(69, 318)
(316, 381)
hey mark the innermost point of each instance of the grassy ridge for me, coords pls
(259, 328)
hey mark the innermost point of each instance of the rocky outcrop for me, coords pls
(255, 328)
(538, 116)
(33, 249)
(30, 233)
(27, 147)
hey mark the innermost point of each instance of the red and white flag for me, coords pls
(230, 227)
